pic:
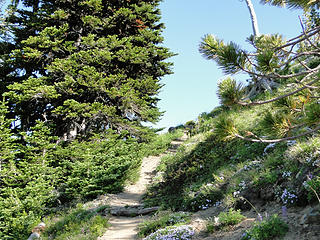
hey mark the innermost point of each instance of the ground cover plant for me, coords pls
(233, 173)
(77, 223)
(224, 220)
(182, 232)
(272, 227)
(162, 220)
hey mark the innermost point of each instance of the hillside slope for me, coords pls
(274, 185)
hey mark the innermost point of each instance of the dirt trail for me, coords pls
(125, 228)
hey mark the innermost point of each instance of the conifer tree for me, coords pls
(27, 178)
(85, 66)
(291, 67)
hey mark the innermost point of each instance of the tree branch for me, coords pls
(280, 97)
(277, 140)
(312, 32)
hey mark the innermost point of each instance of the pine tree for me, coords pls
(292, 3)
(85, 66)
(291, 67)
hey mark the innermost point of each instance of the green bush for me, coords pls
(92, 168)
(206, 197)
(40, 175)
(160, 143)
(273, 227)
(229, 218)
(27, 181)
(313, 187)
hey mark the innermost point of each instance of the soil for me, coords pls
(125, 228)
(297, 229)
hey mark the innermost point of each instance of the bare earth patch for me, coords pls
(125, 228)
(298, 230)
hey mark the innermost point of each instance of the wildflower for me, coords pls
(284, 211)
(308, 159)
(315, 163)
(244, 235)
(242, 185)
(288, 197)
(291, 143)
(286, 174)
(271, 145)
(236, 194)
(183, 232)
(260, 218)
(309, 176)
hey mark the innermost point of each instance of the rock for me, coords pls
(267, 193)
(247, 223)
(34, 235)
(311, 217)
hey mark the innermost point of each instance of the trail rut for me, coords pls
(125, 228)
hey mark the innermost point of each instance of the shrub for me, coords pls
(27, 180)
(40, 174)
(313, 187)
(160, 143)
(205, 198)
(267, 229)
(232, 217)
(94, 167)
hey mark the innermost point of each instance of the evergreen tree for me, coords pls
(291, 67)
(26, 178)
(292, 3)
(85, 66)
(87, 69)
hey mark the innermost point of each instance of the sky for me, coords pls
(191, 90)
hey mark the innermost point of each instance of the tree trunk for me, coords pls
(253, 18)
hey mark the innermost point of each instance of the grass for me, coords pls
(76, 224)
(206, 170)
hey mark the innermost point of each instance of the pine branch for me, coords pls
(300, 38)
(277, 140)
(279, 97)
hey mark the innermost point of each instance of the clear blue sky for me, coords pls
(191, 90)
